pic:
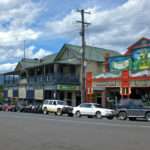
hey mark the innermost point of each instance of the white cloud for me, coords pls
(7, 67)
(16, 19)
(14, 55)
(14, 37)
(115, 28)
(41, 53)
(32, 52)
(65, 26)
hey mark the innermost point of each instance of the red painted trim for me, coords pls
(143, 38)
(140, 78)
(130, 48)
(119, 78)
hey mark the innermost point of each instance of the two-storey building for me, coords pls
(125, 76)
(54, 76)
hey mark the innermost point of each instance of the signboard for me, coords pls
(67, 87)
(97, 85)
(89, 82)
(141, 59)
(119, 63)
(142, 83)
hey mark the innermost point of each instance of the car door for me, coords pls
(89, 109)
(50, 106)
(85, 109)
(54, 106)
(135, 110)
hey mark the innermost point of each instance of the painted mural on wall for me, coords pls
(119, 63)
(138, 61)
(141, 59)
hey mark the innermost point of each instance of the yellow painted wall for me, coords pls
(10, 92)
(39, 95)
(22, 92)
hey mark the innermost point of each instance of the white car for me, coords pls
(93, 109)
(57, 106)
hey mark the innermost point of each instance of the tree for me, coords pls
(1, 93)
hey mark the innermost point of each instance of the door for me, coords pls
(86, 109)
(54, 106)
(99, 100)
(135, 110)
(50, 106)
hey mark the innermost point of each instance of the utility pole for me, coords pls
(82, 33)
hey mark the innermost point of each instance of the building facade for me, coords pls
(125, 76)
(55, 76)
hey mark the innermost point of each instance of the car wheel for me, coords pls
(110, 117)
(147, 116)
(98, 115)
(45, 112)
(122, 116)
(77, 114)
(70, 115)
(59, 112)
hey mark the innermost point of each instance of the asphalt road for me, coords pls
(21, 131)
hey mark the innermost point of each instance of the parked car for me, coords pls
(8, 107)
(132, 109)
(20, 107)
(57, 106)
(36, 108)
(1, 106)
(93, 110)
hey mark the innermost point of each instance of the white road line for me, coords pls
(76, 121)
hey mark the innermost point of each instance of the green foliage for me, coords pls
(147, 103)
(1, 93)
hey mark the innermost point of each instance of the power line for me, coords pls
(82, 33)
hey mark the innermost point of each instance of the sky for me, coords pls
(44, 26)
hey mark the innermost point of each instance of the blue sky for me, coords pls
(46, 25)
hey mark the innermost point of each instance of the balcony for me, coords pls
(54, 79)
(11, 83)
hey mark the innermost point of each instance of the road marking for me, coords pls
(24, 116)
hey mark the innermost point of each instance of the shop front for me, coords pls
(127, 76)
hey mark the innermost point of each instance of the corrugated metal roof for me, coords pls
(26, 63)
(91, 53)
(48, 59)
(69, 61)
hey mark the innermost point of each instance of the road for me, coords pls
(22, 131)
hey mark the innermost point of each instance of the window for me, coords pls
(54, 102)
(97, 106)
(60, 103)
(46, 102)
(86, 105)
(50, 102)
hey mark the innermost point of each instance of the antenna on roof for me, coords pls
(24, 49)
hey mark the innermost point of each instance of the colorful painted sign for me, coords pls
(119, 63)
(67, 87)
(141, 59)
